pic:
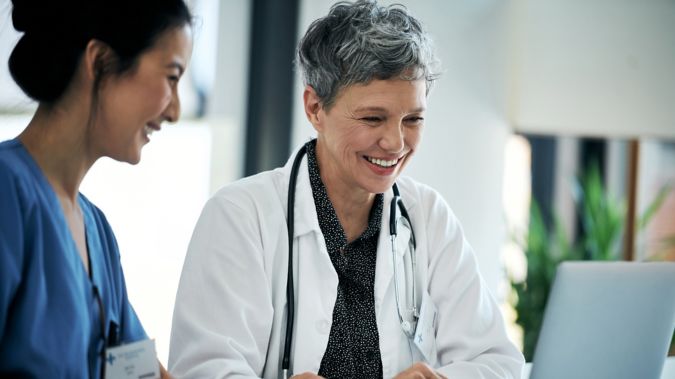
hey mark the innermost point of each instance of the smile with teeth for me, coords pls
(382, 162)
(148, 130)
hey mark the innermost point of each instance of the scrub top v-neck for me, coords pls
(50, 322)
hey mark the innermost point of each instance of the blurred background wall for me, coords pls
(531, 93)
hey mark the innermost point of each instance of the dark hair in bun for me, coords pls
(56, 33)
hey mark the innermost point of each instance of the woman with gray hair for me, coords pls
(318, 268)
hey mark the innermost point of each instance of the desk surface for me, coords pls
(667, 373)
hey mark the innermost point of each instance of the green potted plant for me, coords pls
(602, 220)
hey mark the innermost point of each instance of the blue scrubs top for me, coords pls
(50, 321)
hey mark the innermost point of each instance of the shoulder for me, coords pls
(412, 187)
(13, 166)
(427, 203)
(21, 209)
(419, 194)
(17, 184)
(9, 173)
(247, 212)
(262, 192)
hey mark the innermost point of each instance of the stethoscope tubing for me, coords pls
(396, 205)
(290, 289)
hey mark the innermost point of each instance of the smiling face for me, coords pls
(133, 105)
(369, 134)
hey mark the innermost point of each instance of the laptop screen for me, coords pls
(607, 320)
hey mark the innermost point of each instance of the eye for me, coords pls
(415, 120)
(173, 79)
(371, 119)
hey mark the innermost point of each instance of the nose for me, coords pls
(172, 111)
(392, 138)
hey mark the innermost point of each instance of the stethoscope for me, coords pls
(408, 324)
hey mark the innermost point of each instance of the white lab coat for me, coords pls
(230, 313)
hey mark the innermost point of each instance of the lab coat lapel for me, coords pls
(384, 271)
(384, 268)
(305, 210)
(394, 346)
(315, 280)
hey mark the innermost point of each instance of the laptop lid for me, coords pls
(607, 320)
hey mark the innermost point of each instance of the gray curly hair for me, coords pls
(361, 41)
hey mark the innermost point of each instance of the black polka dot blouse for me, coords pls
(353, 349)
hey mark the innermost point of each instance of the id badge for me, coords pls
(425, 336)
(136, 360)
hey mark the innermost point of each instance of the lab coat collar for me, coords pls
(306, 220)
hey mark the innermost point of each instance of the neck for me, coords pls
(352, 205)
(57, 140)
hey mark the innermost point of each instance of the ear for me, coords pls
(313, 107)
(98, 59)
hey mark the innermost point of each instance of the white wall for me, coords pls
(595, 67)
(466, 130)
(226, 110)
(12, 100)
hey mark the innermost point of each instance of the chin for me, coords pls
(135, 161)
(132, 158)
(381, 187)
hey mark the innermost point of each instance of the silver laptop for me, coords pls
(607, 320)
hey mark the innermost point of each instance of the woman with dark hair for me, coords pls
(105, 76)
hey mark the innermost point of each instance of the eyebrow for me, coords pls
(380, 109)
(177, 65)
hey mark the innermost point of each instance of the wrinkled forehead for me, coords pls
(394, 95)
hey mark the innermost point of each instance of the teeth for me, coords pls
(148, 130)
(382, 162)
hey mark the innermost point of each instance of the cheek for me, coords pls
(356, 136)
(160, 97)
(152, 97)
(355, 139)
(413, 137)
